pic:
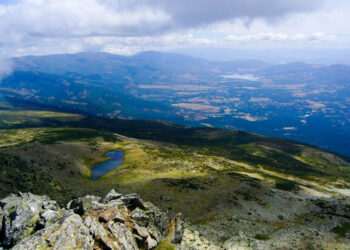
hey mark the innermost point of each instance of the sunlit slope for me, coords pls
(284, 156)
(222, 180)
(170, 152)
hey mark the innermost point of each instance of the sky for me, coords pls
(39, 27)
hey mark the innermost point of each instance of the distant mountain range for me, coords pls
(297, 101)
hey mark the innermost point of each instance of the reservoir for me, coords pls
(117, 159)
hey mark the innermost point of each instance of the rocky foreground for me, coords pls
(116, 221)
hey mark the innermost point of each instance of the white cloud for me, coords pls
(128, 26)
(69, 18)
(280, 37)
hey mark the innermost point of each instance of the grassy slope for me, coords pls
(274, 159)
(275, 154)
(204, 173)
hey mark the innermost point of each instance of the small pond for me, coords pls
(117, 159)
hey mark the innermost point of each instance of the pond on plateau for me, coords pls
(117, 159)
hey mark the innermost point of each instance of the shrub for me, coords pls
(164, 245)
(262, 237)
(287, 185)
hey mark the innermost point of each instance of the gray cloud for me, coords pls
(280, 37)
(28, 26)
(194, 13)
(72, 18)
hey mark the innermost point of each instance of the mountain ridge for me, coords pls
(245, 95)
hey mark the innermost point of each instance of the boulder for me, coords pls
(150, 243)
(111, 214)
(122, 233)
(22, 214)
(157, 217)
(141, 231)
(69, 233)
(81, 205)
(36, 222)
(155, 232)
(103, 238)
(145, 239)
(133, 201)
(105, 214)
(112, 195)
(50, 217)
(141, 217)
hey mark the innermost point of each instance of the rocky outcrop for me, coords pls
(117, 221)
(23, 215)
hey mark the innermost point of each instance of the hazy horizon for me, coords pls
(127, 27)
(272, 56)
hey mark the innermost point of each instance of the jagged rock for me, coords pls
(141, 231)
(140, 217)
(36, 222)
(105, 213)
(157, 217)
(101, 235)
(133, 201)
(153, 219)
(50, 217)
(116, 203)
(144, 238)
(155, 232)
(123, 235)
(111, 214)
(21, 214)
(80, 205)
(150, 243)
(69, 233)
(112, 195)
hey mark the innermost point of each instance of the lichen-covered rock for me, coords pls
(133, 201)
(123, 235)
(102, 236)
(115, 222)
(111, 214)
(157, 218)
(50, 217)
(21, 215)
(141, 231)
(140, 216)
(150, 243)
(112, 195)
(80, 205)
(191, 239)
(69, 233)
(105, 214)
